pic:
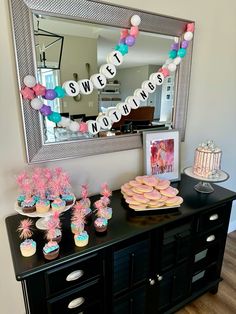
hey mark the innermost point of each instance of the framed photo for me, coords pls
(161, 154)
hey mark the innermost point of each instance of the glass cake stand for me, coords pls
(204, 186)
(41, 223)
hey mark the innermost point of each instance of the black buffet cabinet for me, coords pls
(148, 262)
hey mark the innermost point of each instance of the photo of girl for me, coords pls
(162, 156)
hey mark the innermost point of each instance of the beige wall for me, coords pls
(211, 115)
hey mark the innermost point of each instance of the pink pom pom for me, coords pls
(165, 72)
(190, 27)
(134, 31)
(124, 33)
(83, 127)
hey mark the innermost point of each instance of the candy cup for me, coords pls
(54, 117)
(134, 31)
(45, 110)
(135, 20)
(130, 40)
(29, 81)
(60, 92)
(50, 94)
(181, 52)
(36, 103)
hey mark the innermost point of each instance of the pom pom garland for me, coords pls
(98, 81)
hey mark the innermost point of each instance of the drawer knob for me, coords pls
(151, 282)
(214, 217)
(210, 238)
(76, 302)
(159, 277)
(75, 275)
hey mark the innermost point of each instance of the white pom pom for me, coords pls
(65, 122)
(172, 67)
(123, 108)
(29, 81)
(133, 101)
(104, 121)
(188, 36)
(74, 126)
(114, 115)
(36, 103)
(85, 86)
(135, 20)
(177, 60)
(148, 86)
(176, 40)
(71, 88)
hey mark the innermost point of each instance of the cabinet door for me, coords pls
(132, 303)
(168, 289)
(130, 266)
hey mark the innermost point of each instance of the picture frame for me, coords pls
(162, 154)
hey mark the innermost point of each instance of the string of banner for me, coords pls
(36, 92)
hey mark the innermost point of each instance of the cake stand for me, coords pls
(41, 223)
(204, 186)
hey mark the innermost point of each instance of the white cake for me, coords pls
(207, 160)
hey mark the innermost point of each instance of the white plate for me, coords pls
(157, 208)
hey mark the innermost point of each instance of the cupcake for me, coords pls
(28, 247)
(51, 250)
(81, 239)
(28, 205)
(42, 206)
(68, 198)
(107, 213)
(58, 204)
(77, 228)
(100, 224)
(57, 236)
(20, 199)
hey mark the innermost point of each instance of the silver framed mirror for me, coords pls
(99, 13)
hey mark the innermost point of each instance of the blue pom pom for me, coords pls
(182, 52)
(172, 54)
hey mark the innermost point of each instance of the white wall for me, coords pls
(211, 104)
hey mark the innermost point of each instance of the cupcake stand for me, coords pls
(204, 185)
(41, 223)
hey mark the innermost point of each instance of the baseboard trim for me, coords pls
(232, 226)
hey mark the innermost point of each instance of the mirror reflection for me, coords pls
(71, 50)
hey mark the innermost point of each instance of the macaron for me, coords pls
(132, 201)
(133, 183)
(156, 205)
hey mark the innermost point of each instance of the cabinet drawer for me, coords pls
(214, 217)
(71, 274)
(205, 276)
(209, 238)
(85, 299)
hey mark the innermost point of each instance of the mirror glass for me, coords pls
(97, 25)
(71, 50)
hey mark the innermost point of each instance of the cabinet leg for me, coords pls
(214, 290)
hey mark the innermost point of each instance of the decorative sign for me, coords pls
(32, 89)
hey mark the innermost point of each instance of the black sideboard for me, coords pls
(147, 262)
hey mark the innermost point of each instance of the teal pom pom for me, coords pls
(54, 117)
(172, 54)
(60, 92)
(181, 52)
(123, 49)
